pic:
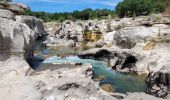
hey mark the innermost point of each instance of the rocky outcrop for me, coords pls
(158, 80)
(129, 37)
(52, 28)
(34, 23)
(125, 32)
(15, 39)
(17, 32)
(131, 41)
(158, 84)
(69, 30)
(20, 88)
(120, 60)
(65, 81)
(6, 14)
(17, 35)
(14, 7)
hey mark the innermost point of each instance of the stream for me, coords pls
(120, 82)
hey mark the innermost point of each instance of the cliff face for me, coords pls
(15, 38)
(17, 35)
(34, 23)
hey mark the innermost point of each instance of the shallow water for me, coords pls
(121, 82)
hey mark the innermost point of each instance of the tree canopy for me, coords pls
(130, 8)
(9, 0)
(82, 15)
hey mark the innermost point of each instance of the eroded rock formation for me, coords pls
(34, 23)
(16, 8)
(16, 37)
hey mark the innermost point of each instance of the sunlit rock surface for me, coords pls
(15, 39)
(17, 8)
(34, 23)
(138, 44)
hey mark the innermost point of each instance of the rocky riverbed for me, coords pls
(139, 45)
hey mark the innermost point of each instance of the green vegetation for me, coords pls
(82, 15)
(9, 0)
(127, 8)
(131, 8)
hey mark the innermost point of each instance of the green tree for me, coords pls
(140, 7)
(9, 0)
(82, 15)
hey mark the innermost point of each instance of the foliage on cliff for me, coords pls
(131, 8)
(82, 15)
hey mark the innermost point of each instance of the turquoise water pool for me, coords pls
(121, 82)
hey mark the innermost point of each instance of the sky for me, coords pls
(68, 5)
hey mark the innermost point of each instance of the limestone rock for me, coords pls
(70, 82)
(14, 7)
(19, 88)
(52, 28)
(158, 80)
(15, 39)
(107, 87)
(72, 30)
(129, 37)
(13, 67)
(120, 60)
(100, 43)
(109, 37)
(34, 23)
(6, 14)
(140, 96)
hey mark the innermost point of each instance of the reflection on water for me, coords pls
(121, 82)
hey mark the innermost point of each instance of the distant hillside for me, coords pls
(131, 8)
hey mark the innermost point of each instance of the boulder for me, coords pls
(118, 24)
(129, 37)
(14, 67)
(100, 43)
(6, 14)
(72, 30)
(52, 28)
(109, 37)
(107, 88)
(34, 23)
(15, 39)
